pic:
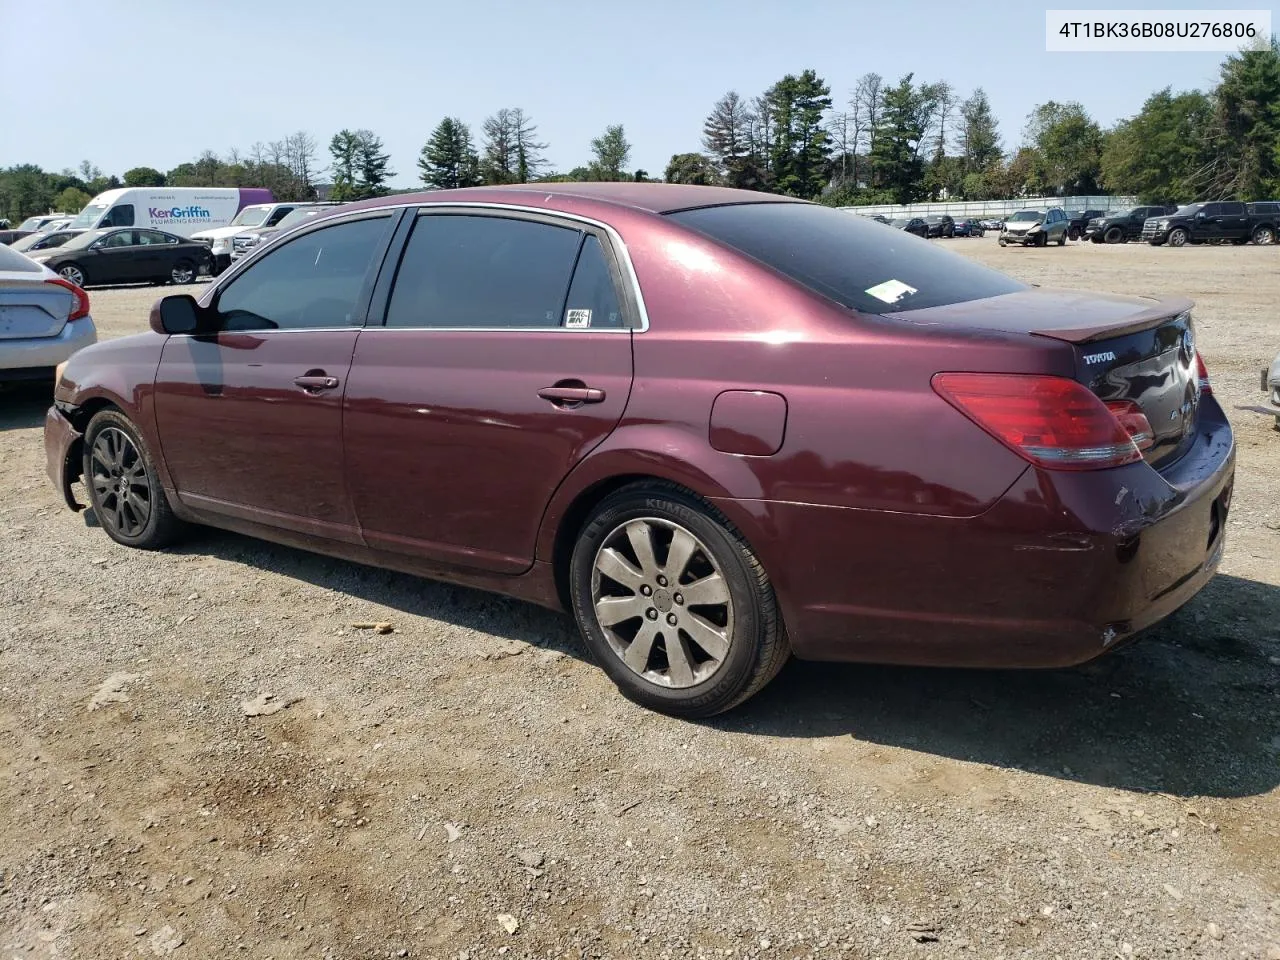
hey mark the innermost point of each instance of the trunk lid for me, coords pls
(32, 308)
(1124, 348)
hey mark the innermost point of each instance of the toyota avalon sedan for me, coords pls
(717, 427)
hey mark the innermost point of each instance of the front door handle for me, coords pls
(572, 395)
(314, 384)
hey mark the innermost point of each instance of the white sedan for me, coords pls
(44, 319)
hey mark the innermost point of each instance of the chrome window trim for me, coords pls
(615, 240)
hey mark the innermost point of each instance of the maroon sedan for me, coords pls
(719, 427)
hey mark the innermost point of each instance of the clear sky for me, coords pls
(126, 83)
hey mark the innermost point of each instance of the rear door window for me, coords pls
(462, 271)
(847, 259)
(593, 297)
(1233, 208)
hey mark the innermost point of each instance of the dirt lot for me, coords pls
(435, 787)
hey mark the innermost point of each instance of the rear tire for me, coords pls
(720, 655)
(124, 487)
(1264, 236)
(183, 273)
(73, 273)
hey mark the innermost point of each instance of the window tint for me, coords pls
(843, 257)
(1211, 209)
(313, 281)
(154, 237)
(279, 214)
(125, 238)
(121, 215)
(1233, 208)
(593, 299)
(483, 272)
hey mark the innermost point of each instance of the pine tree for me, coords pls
(449, 159)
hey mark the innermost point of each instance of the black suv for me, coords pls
(1124, 225)
(1217, 221)
(1266, 221)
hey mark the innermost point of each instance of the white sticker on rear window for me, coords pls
(578, 318)
(891, 291)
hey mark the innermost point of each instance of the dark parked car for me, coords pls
(941, 225)
(1226, 221)
(916, 225)
(969, 228)
(680, 413)
(127, 255)
(1123, 225)
(1265, 220)
(1078, 222)
(1037, 228)
(43, 241)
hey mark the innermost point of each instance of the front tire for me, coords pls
(1062, 239)
(1073, 234)
(1113, 235)
(1178, 237)
(124, 487)
(673, 604)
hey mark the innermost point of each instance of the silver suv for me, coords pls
(1036, 228)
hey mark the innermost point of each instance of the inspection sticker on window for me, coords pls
(578, 318)
(891, 291)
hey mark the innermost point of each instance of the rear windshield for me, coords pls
(846, 259)
(12, 260)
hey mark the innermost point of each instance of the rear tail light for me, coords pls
(1134, 421)
(1202, 376)
(1051, 421)
(80, 308)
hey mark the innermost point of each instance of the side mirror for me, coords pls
(176, 314)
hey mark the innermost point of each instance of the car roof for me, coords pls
(646, 197)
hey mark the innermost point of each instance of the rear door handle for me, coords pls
(565, 395)
(315, 384)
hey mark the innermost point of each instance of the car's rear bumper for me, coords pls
(1059, 571)
(18, 358)
(62, 452)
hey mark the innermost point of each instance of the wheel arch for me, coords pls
(632, 455)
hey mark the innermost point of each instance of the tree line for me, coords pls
(886, 141)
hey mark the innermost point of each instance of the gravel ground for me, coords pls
(467, 786)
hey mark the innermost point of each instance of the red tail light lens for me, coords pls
(1051, 421)
(1202, 375)
(80, 308)
(1134, 422)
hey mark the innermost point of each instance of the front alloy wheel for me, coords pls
(121, 486)
(124, 489)
(1178, 237)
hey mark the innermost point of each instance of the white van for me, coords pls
(180, 210)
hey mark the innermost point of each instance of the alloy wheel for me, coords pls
(122, 489)
(1177, 238)
(183, 273)
(662, 602)
(73, 274)
(1264, 236)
